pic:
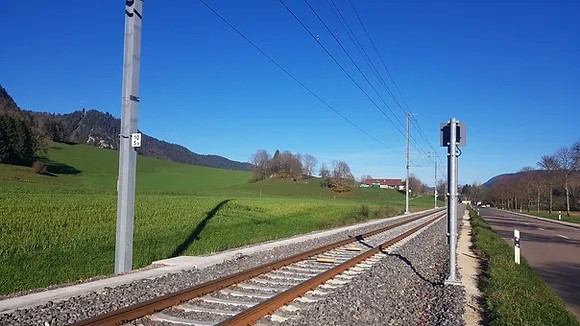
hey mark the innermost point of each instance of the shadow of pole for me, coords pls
(402, 258)
(195, 234)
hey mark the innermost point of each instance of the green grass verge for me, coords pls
(573, 218)
(514, 294)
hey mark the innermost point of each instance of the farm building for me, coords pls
(398, 184)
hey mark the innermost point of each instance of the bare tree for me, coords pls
(261, 161)
(550, 165)
(441, 189)
(341, 170)
(365, 177)
(324, 171)
(341, 179)
(525, 176)
(476, 191)
(416, 186)
(309, 163)
(567, 161)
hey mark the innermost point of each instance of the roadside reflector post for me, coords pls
(560, 215)
(517, 246)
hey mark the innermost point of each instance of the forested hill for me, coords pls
(102, 130)
(90, 127)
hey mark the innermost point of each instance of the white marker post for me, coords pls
(517, 246)
(560, 215)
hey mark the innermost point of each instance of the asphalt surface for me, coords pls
(551, 249)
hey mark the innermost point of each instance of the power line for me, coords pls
(338, 63)
(293, 77)
(366, 57)
(390, 75)
(378, 54)
(415, 144)
(353, 62)
(347, 28)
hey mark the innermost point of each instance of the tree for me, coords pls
(526, 180)
(18, 143)
(476, 192)
(416, 186)
(550, 165)
(54, 130)
(441, 189)
(309, 163)
(365, 177)
(276, 163)
(324, 172)
(341, 179)
(289, 166)
(567, 162)
(261, 161)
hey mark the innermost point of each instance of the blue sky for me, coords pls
(509, 70)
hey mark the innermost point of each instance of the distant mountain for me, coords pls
(9, 107)
(489, 183)
(101, 129)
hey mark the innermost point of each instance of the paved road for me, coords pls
(551, 249)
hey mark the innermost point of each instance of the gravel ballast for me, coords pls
(406, 287)
(438, 298)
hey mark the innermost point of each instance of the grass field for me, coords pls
(61, 228)
(514, 294)
(573, 218)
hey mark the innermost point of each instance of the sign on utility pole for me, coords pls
(129, 137)
(452, 136)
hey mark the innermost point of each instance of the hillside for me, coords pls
(100, 129)
(96, 128)
(489, 183)
(87, 167)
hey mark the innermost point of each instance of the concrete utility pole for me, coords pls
(452, 199)
(129, 138)
(407, 211)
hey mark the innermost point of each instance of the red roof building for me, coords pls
(385, 183)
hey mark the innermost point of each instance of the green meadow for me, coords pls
(60, 227)
(573, 218)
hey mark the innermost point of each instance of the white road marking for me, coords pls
(561, 236)
(541, 229)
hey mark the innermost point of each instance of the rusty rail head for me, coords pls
(138, 310)
(258, 311)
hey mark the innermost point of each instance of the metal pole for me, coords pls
(435, 184)
(407, 211)
(452, 200)
(127, 154)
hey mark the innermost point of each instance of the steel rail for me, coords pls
(138, 310)
(265, 308)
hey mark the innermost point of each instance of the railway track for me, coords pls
(246, 297)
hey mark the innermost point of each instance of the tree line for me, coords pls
(19, 142)
(555, 184)
(295, 166)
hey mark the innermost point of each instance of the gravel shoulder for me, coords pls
(406, 287)
(469, 271)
